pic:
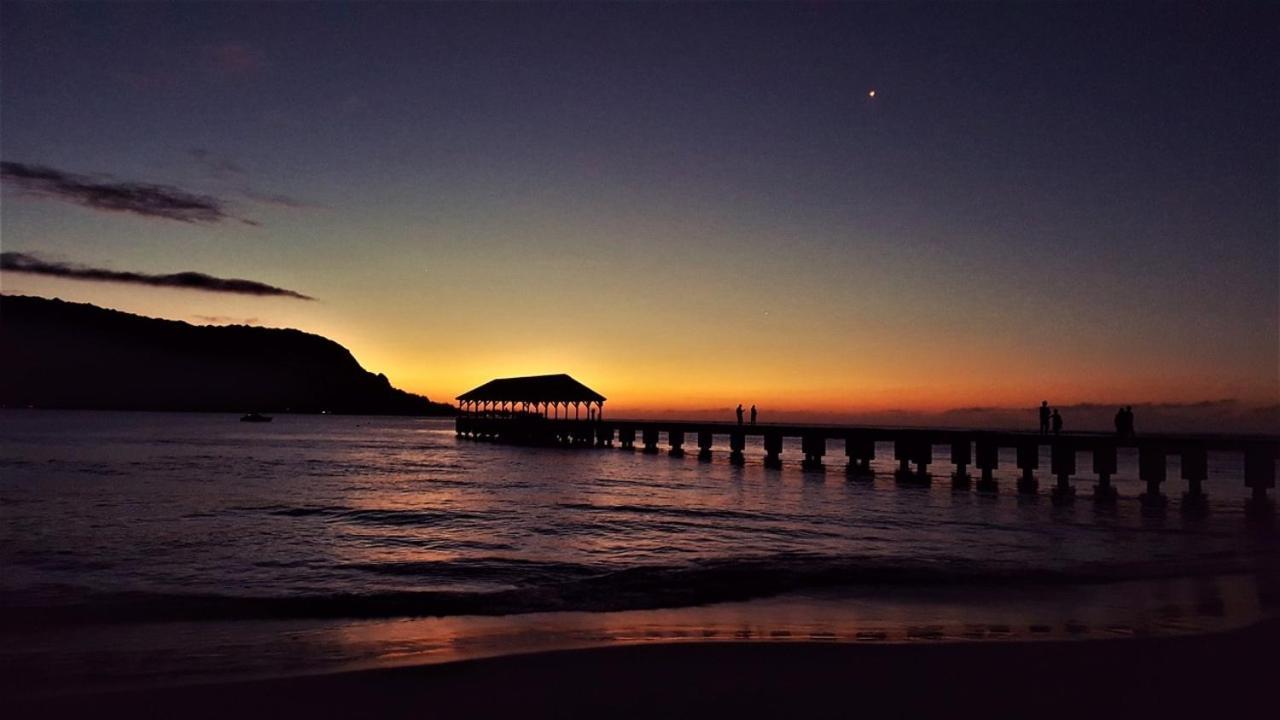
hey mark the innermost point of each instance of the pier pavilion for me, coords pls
(548, 396)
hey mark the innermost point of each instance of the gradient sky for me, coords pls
(687, 206)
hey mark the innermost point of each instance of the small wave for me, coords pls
(711, 514)
(543, 587)
(370, 516)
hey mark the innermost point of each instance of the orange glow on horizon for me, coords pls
(846, 362)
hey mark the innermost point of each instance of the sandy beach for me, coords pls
(1199, 676)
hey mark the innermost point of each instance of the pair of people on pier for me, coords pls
(1124, 421)
(753, 414)
(1049, 419)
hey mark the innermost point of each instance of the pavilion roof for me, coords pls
(533, 389)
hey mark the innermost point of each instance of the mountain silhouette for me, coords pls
(70, 355)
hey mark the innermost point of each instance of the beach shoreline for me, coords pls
(1183, 676)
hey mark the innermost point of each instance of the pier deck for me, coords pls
(977, 449)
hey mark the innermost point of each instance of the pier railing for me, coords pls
(971, 451)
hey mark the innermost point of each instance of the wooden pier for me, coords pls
(974, 454)
(536, 411)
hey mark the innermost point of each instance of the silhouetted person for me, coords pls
(739, 413)
(1044, 417)
(1128, 421)
(753, 414)
(1120, 422)
(1057, 422)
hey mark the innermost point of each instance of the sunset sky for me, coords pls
(685, 207)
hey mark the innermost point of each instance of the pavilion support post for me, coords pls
(1151, 470)
(737, 443)
(704, 445)
(1260, 476)
(1104, 466)
(1195, 470)
(627, 438)
(675, 438)
(1062, 459)
(987, 458)
(1028, 461)
(773, 451)
(814, 447)
(861, 450)
(961, 458)
(650, 435)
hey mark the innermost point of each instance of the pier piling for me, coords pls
(650, 436)
(737, 443)
(987, 460)
(1259, 476)
(1195, 470)
(1151, 470)
(773, 450)
(1104, 466)
(860, 450)
(675, 438)
(1028, 461)
(814, 447)
(961, 457)
(704, 445)
(1062, 458)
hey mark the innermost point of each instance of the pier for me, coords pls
(536, 411)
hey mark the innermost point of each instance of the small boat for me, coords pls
(255, 417)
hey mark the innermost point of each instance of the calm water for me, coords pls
(181, 545)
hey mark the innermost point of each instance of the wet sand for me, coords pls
(1195, 676)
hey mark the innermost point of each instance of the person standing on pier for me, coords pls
(1057, 422)
(1120, 417)
(739, 413)
(753, 414)
(1128, 421)
(1044, 417)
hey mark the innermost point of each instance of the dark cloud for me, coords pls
(32, 264)
(160, 201)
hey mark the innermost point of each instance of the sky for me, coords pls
(683, 206)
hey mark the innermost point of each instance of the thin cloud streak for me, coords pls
(225, 169)
(148, 200)
(225, 320)
(279, 200)
(34, 265)
(217, 166)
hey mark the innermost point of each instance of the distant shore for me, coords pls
(440, 414)
(1214, 675)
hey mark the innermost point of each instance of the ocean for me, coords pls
(156, 548)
